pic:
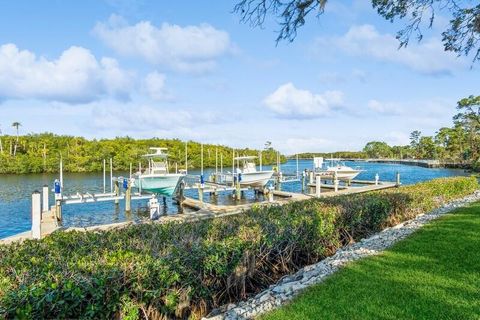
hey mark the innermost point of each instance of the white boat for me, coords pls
(343, 172)
(156, 178)
(248, 174)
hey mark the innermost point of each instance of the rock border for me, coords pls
(289, 286)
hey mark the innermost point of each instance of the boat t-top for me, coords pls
(248, 173)
(156, 177)
(343, 172)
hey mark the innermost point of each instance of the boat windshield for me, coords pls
(158, 167)
(249, 167)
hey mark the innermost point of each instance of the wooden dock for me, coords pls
(363, 189)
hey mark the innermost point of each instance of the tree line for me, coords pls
(37, 153)
(459, 143)
(336, 154)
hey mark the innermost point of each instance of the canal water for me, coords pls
(16, 190)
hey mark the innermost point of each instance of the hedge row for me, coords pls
(185, 270)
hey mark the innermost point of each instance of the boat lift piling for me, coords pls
(127, 185)
(61, 172)
(201, 186)
(304, 176)
(221, 163)
(201, 161)
(186, 158)
(216, 164)
(278, 181)
(111, 175)
(297, 172)
(260, 158)
(318, 186)
(116, 191)
(233, 167)
(104, 176)
(45, 204)
(238, 191)
(335, 181)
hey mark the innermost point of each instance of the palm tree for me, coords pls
(16, 125)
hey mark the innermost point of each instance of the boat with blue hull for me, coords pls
(156, 177)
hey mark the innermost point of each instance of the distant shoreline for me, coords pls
(426, 163)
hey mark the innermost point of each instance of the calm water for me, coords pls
(16, 190)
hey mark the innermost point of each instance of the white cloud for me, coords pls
(75, 77)
(288, 101)
(427, 57)
(154, 86)
(187, 49)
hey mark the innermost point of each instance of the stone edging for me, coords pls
(289, 286)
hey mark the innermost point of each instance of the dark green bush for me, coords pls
(185, 270)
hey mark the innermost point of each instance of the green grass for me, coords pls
(433, 274)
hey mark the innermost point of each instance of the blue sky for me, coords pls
(191, 70)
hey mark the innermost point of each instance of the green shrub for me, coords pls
(185, 270)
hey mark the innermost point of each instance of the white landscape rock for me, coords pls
(289, 286)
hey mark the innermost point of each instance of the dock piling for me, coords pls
(318, 186)
(303, 181)
(260, 158)
(45, 198)
(36, 215)
(104, 176)
(238, 192)
(376, 179)
(111, 174)
(310, 177)
(58, 211)
(128, 195)
(335, 181)
(233, 167)
(278, 181)
(61, 173)
(297, 172)
(117, 191)
(221, 163)
(201, 159)
(200, 192)
(398, 179)
(180, 197)
(186, 158)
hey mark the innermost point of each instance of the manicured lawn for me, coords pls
(433, 274)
